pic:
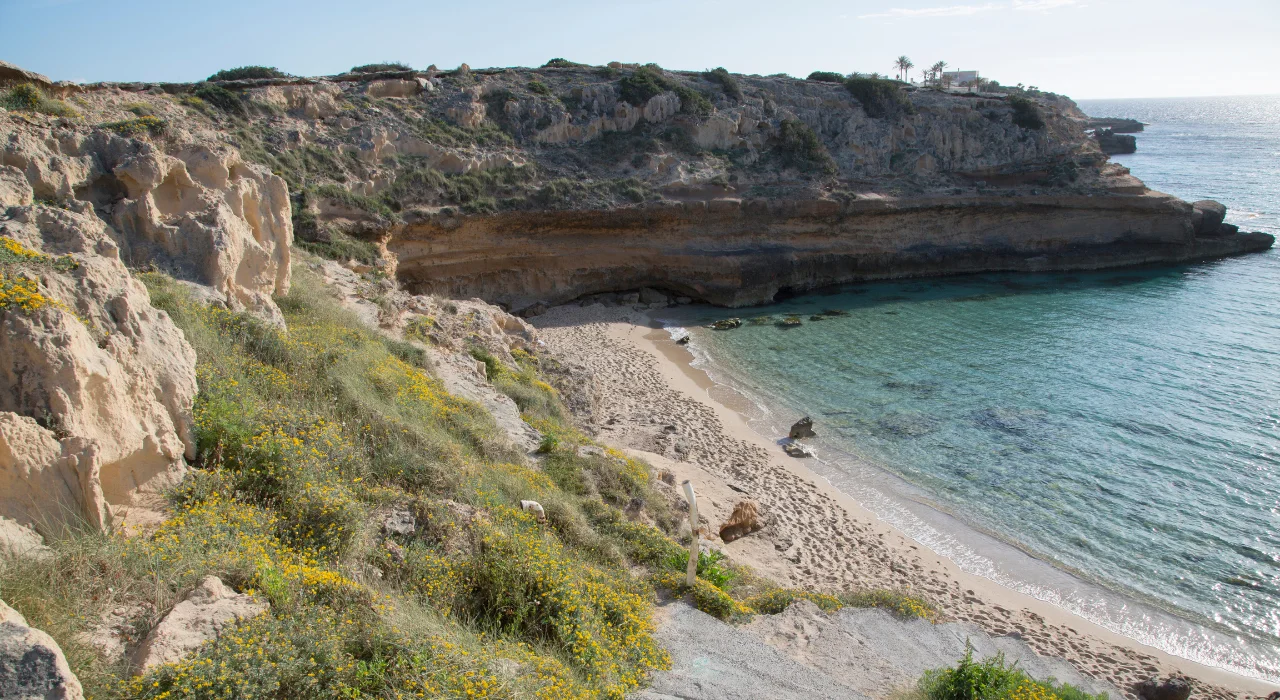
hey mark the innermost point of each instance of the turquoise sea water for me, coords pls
(1122, 427)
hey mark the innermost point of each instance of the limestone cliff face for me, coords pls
(734, 252)
(96, 385)
(525, 185)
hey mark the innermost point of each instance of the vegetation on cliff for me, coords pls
(990, 679)
(307, 439)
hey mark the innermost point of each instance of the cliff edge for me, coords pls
(538, 186)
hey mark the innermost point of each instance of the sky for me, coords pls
(1087, 49)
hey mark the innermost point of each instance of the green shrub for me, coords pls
(561, 63)
(441, 132)
(710, 566)
(381, 67)
(692, 102)
(152, 126)
(248, 73)
(776, 601)
(29, 98)
(548, 444)
(302, 436)
(352, 200)
(726, 81)
(141, 109)
(904, 605)
(538, 87)
(825, 76)
(880, 98)
(799, 147)
(1026, 113)
(642, 84)
(341, 247)
(220, 97)
(993, 679)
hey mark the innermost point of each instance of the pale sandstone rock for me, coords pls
(15, 191)
(11, 75)
(112, 378)
(32, 665)
(203, 211)
(216, 219)
(17, 541)
(744, 521)
(393, 88)
(205, 612)
(318, 101)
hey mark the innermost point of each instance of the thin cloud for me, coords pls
(1041, 5)
(949, 11)
(964, 10)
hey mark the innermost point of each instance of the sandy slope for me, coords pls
(650, 400)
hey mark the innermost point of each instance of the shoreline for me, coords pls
(819, 537)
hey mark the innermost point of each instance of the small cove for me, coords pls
(1108, 441)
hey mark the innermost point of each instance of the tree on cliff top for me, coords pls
(904, 66)
(938, 69)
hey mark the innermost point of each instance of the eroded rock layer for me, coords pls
(736, 253)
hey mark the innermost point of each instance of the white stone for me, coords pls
(205, 612)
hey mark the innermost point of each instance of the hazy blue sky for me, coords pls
(1083, 48)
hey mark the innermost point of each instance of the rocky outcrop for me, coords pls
(200, 211)
(17, 541)
(96, 385)
(1113, 143)
(1172, 688)
(32, 666)
(1206, 217)
(802, 428)
(744, 520)
(1117, 125)
(199, 618)
(210, 217)
(737, 252)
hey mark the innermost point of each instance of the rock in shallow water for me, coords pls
(803, 428)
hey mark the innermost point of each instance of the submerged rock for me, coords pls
(795, 449)
(726, 324)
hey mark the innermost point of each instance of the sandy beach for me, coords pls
(651, 402)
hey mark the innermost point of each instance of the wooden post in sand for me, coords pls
(691, 572)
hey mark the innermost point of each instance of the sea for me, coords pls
(1105, 441)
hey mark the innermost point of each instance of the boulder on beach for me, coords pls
(744, 521)
(1172, 688)
(803, 428)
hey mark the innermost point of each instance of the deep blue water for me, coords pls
(1123, 426)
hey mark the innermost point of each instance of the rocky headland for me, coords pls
(528, 186)
(260, 369)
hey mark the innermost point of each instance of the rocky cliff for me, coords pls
(542, 185)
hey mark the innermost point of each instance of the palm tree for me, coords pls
(904, 66)
(938, 69)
